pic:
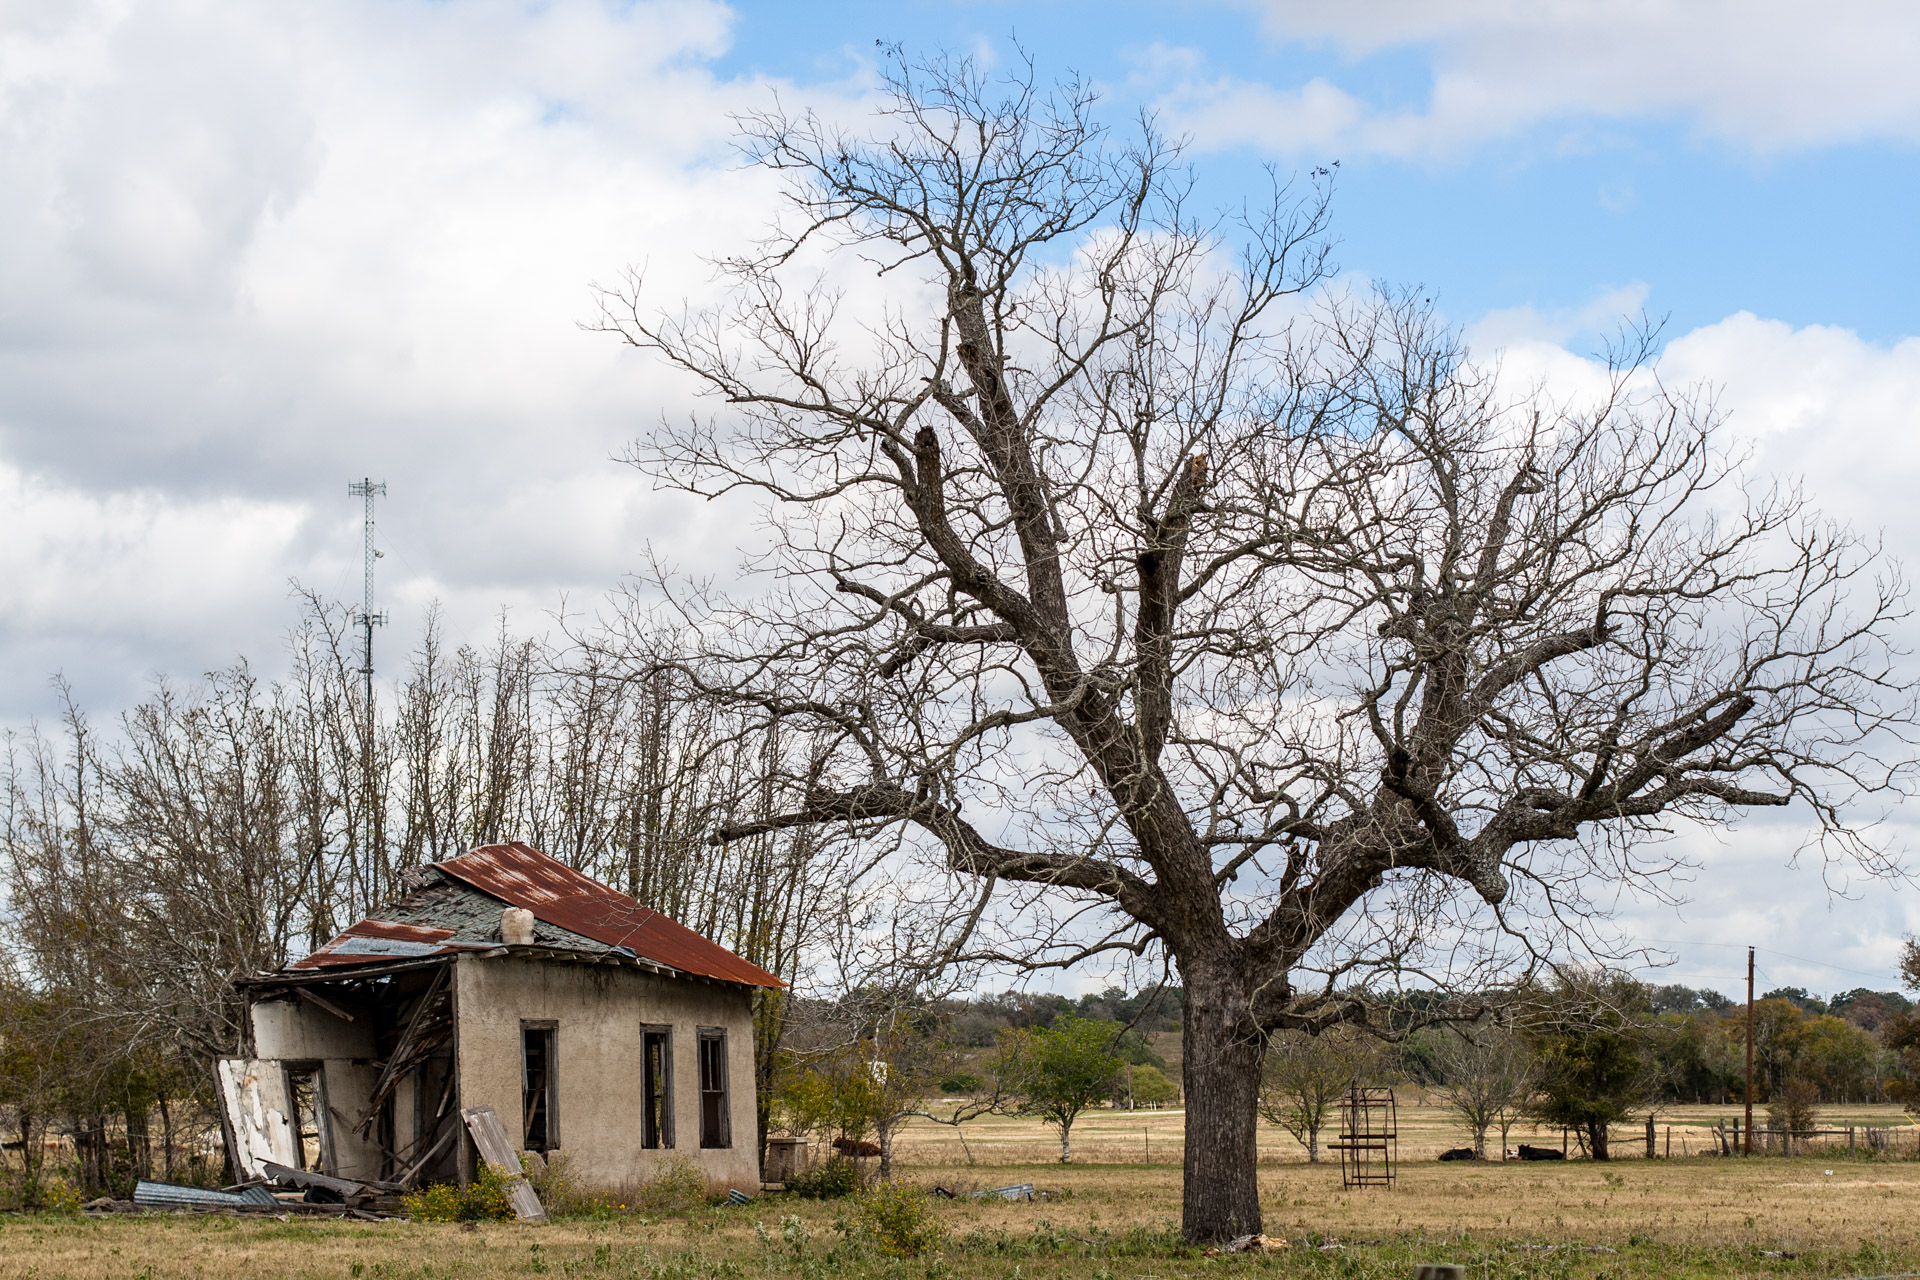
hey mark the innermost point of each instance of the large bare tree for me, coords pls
(1185, 601)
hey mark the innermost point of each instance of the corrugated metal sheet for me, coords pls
(381, 940)
(166, 1195)
(556, 893)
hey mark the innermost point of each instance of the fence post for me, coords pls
(1650, 1150)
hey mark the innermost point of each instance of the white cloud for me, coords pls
(253, 252)
(1766, 75)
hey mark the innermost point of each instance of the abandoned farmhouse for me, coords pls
(590, 1024)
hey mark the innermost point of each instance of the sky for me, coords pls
(253, 252)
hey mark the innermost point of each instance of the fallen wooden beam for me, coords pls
(490, 1136)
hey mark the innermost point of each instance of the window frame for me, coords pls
(723, 1140)
(316, 1071)
(550, 1028)
(664, 1138)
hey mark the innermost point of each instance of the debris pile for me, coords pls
(1252, 1244)
(283, 1192)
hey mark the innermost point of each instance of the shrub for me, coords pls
(678, 1185)
(900, 1220)
(831, 1179)
(562, 1194)
(959, 1083)
(56, 1195)
(482, 1200)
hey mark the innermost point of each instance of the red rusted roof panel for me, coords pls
(374, 940)
(556, 893)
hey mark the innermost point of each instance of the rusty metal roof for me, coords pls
(382, 940)
(558, 895)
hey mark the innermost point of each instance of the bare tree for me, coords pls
(1170, 613)
(1487, 1074)
(1305, 1076)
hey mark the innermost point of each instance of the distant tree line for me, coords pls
(1590, 1053)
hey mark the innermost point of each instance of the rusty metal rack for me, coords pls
(1369, 1138)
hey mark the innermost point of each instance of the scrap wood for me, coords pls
(405, 1180)
(490, 1136)
(306, 1180)
(1251, 1244)
(422, 1036)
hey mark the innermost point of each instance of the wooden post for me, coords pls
(1650, 1139)
(1849, 1139)
(1749, 1050)
(1683, 1142)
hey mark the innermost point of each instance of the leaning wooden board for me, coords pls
(490, 1136)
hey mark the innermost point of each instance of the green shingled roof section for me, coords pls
(475, 917)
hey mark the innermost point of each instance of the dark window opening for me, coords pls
(656, 1088)
(539, 1124)
(307, 1098)
(713, 1089)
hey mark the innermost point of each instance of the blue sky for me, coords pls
(1562, 209)
(251, 252)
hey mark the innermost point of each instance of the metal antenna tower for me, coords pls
(367, 619)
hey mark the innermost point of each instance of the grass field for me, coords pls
(1105, 1218)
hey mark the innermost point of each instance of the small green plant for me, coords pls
(678, 1185)
(56, 1195)
(563, 1195)
(899, 1219)
(831, 1179)
(482, 1200)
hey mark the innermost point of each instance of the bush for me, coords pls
(831, 1179)
(482, 1200)
(562, 1194)
(56, 1195)
(955, 1085)
(900, 1220)
(679, 1185)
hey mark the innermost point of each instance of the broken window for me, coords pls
(656, 1087)
(538, 1092)
(307, 1099)
(713, 1088)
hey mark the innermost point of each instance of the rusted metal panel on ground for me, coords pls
(524, 877)
(167, 1195)
(253, 1096)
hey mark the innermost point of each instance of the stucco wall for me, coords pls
(599, 1011)
(299, 1031)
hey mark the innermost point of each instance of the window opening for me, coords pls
(537, 1093)
(713, 1088)
(656, 1088)
(307, 1096)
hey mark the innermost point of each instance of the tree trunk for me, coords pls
(1222, 1049)
(1597, 1140)
(1480, 1141)
(1066, 1144)
(166, 1136)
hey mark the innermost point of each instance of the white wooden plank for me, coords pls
(254, 1093)
(490, 1136)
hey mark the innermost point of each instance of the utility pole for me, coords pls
(367, 619)
(1749, 1050)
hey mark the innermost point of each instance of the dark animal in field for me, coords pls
(1540, 1153)
(1458, 1153)
(856, 1147)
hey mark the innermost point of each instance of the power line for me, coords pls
(1784, 955)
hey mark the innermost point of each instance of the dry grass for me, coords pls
(1111, 1221)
